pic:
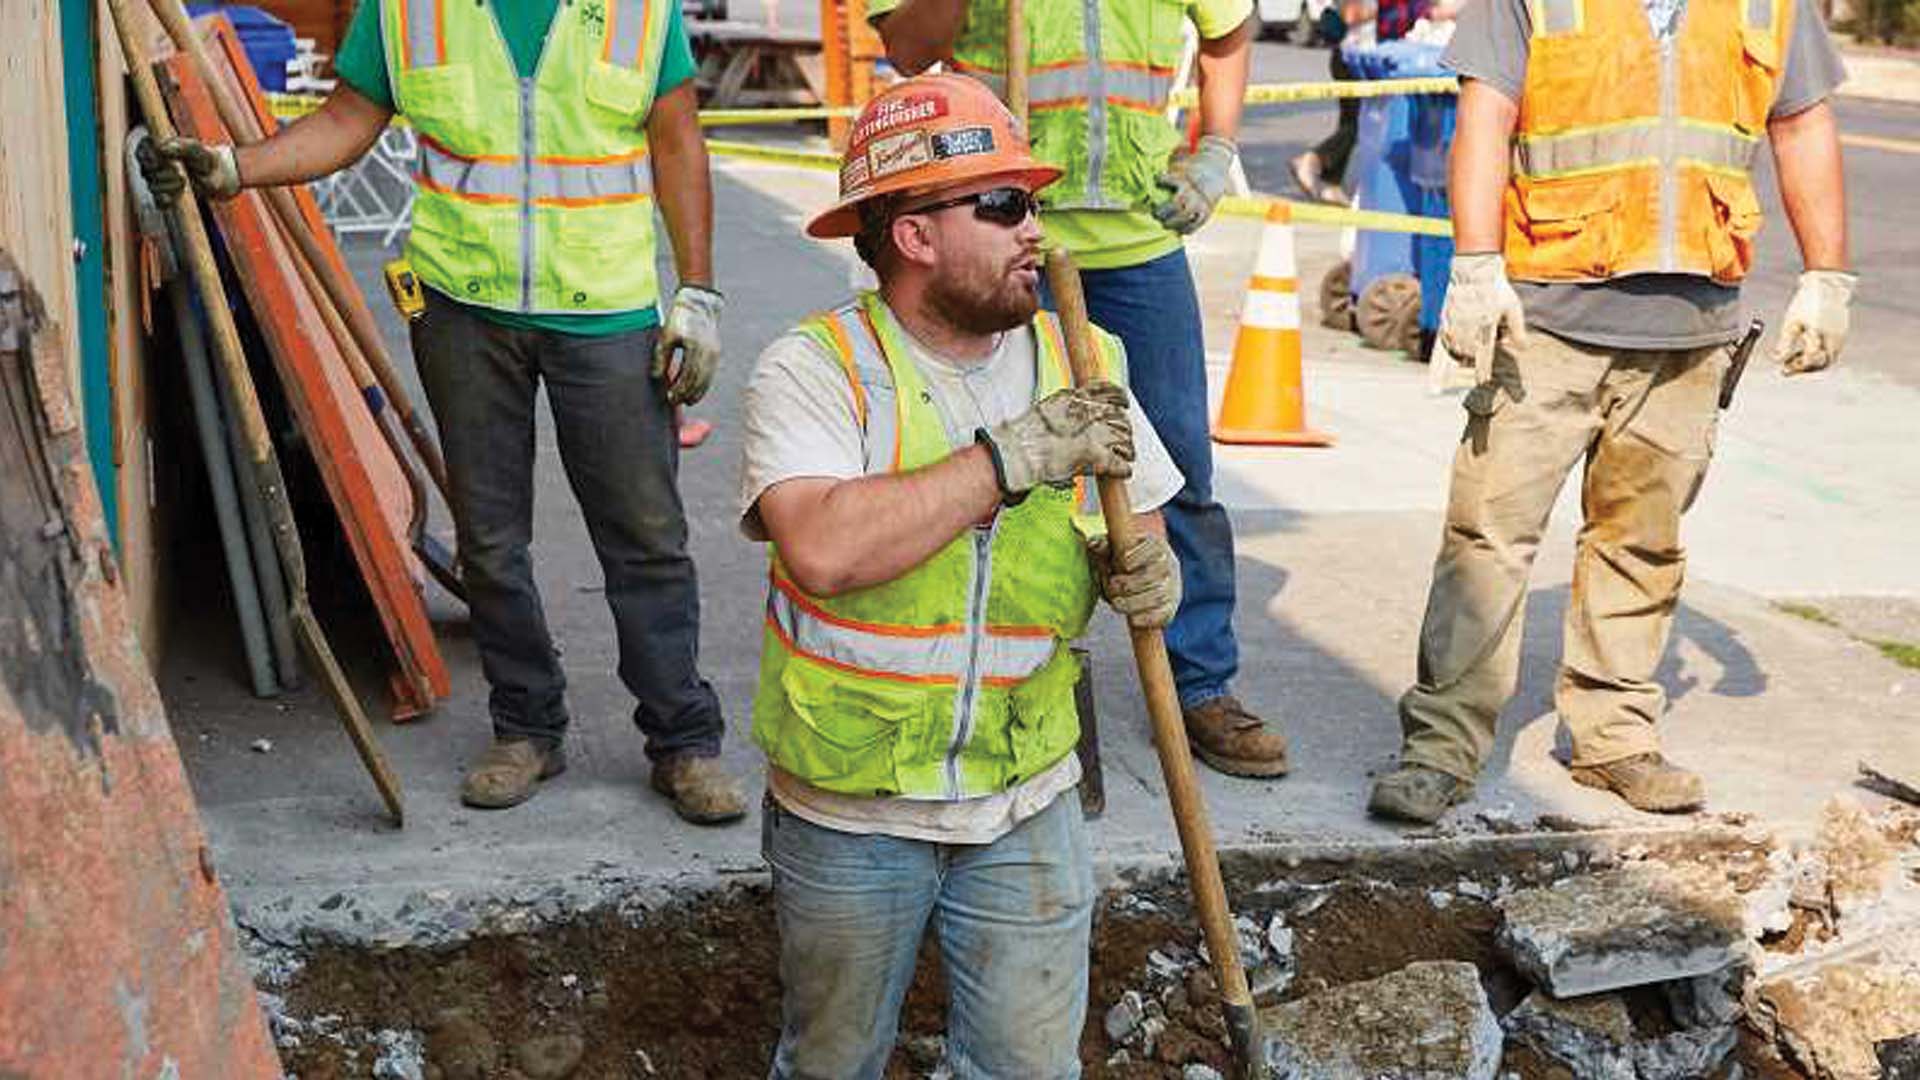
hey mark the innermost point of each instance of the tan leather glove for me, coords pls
(1195, 183)
(1816, 324)
(691, 329)
(1068, 433)
(1480, 306)
(211, 167)
(1141, 582)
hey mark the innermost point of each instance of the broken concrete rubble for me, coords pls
(1827, 1016)
(1427, 1021)
(1632, 926)
(1594, 1037)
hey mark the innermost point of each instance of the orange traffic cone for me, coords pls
(1264, 403)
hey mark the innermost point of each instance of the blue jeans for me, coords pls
(1013, 919)
(1155, 312)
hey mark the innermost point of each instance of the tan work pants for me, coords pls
(1643, 422)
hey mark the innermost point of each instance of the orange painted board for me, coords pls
(365, 483)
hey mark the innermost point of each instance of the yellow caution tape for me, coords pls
(1282, 93)
(728, 117)
(1313, 213)
(779, 155)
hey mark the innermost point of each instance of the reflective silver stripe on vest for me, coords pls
(882, 434)
(423, 37)
(1541, 156)
(912, 654)
(629, 29)
(1096, 196)
(1561, 16)
(1071, 85)
(445, 171)
(1760, 14)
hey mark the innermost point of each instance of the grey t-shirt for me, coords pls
(1642, 311)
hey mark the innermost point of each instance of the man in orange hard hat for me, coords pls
(913, 457)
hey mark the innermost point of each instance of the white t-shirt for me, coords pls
(800, 422)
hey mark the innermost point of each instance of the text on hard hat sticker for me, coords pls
(891, 114)
(853, 174)
(894, 153)
(963, 142)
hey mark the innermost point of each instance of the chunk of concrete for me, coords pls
(1632, 926)
(1595, 1039)
(1828, 1017)
(1706, 1001)
(1427, 1021)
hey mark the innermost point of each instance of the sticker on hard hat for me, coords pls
(963, 142)
(888, 115)
(896, 153)
(853, 174)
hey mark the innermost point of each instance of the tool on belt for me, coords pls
(404, 286)
(1741, 352)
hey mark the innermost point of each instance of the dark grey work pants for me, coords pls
(618, 444)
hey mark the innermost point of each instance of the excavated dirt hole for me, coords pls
(693, 991)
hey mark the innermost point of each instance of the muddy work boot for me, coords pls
(508, 772)
(701, 790)
(1417, 794)
(1647, 782)
(1231, 739)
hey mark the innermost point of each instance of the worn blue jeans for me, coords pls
(1154, 310)
(1013, 919)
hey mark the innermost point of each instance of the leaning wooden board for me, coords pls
(366, 485)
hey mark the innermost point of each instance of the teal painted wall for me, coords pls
(78, 57)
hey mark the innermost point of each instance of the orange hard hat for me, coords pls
(923, 134)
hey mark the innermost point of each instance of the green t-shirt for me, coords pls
(1110, 239)
(362, 64)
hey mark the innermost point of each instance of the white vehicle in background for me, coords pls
(1291, 20)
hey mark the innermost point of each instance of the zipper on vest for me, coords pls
(527, 128)
(970, 678)
(1669, 141)
(1096, 104)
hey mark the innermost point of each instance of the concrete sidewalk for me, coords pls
(1881, 73)
(1814, 495)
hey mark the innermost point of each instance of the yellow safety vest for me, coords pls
(1632, 155)
(531, 195)
(1100, 73)
(953, 680)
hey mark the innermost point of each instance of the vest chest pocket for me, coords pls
(441, 101)
(623, 91)
(1570, 225)
(1757, 76)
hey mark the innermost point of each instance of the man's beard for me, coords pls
(975, 306)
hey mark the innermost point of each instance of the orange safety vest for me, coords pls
(1632, 155)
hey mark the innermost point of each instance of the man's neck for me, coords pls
(917, 318)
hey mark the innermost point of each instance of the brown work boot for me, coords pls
(1231, 739)
(508, 772)
(1648, 782)
(701, 790)
(1417, 794)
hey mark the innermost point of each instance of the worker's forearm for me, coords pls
(874, 529)
(919, 33)
(682, 183)
(1477, 171)
(1806, 156)
(1222, 67)
(324, 142)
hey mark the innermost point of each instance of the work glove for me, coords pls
(1194, 184)
(692, 328)
(1066, 434)
(1141, 582)
(1480, 306)
(1816, 323)
(210, 166)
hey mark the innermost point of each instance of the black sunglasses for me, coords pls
(1004, 206)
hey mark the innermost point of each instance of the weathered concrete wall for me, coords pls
(117, 953)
